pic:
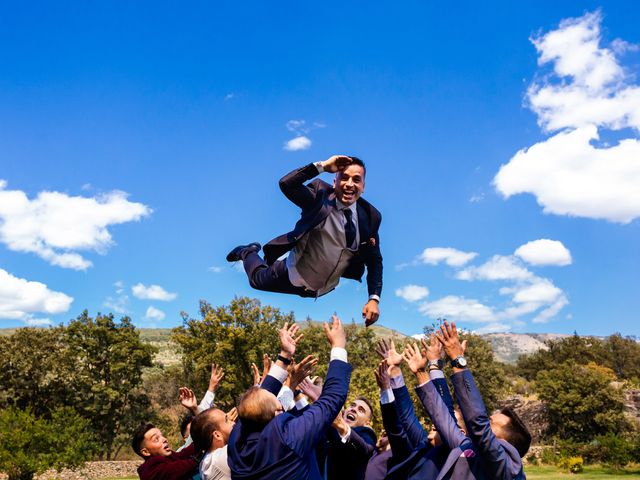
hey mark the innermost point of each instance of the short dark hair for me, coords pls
(358, 161)
(516, 432)
(367, 401)
(138, 437)
(184, 423)
(202, 427)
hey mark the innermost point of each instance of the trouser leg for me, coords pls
(270, 278)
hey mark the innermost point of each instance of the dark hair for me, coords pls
(516, 432)
(358, 161)
(367, 401)
(138, 437)
(185, 423)
(202, 427)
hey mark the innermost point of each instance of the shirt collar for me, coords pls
(341, 206)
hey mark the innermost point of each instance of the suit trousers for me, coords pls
(271, 278)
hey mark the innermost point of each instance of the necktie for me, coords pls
(349, 228)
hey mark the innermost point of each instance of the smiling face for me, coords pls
(349, 184)
(155, 443)
(358, 414)
(499, 422)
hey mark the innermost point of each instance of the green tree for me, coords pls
(32, 371)
(623, 356)
(233, 336)
(30, 445)
(581, 401)
(107, 359)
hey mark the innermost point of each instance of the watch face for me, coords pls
(461, 361)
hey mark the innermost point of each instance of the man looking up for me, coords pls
(336, 236)
(268, 444)
(210, 432)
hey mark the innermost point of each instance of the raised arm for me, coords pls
(499, 462)
(289, 337)
(293, 183)
(432, 401)
(304, 432)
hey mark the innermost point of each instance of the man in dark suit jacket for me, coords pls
(268, 444)
(336, 236)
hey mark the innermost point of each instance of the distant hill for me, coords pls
(506, 346)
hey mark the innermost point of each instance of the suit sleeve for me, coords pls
(294, 188)
(401, 445)
(303, 433)
(373, 261)
(407, 416)
(271, 384)
(185, 466)
(497, 460)
(360, 445)
(436, 408)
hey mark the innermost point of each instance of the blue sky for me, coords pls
(140, 142)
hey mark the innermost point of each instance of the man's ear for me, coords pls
(144, 452)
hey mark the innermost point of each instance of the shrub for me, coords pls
(572, 464)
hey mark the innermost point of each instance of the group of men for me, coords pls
(286, 426)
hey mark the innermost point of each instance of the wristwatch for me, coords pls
(459, 362)
(434, 365)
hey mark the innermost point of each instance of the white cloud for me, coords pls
(215, 269)
(152, 292)
(154, 314)
(297, 126)
(20, 299)
(298, 143)
(37, 322)
(229, 96)
(55, 225)
(544, 252)
(588, 90)
(496, 327)
(458, 308)
(412, 293)
(499, 267)
(451, 256)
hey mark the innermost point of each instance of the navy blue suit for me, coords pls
(315, 200)
(349, 460)
(500, 459)
(285, 447)
(413, 456)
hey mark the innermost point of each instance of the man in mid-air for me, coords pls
(336, 236)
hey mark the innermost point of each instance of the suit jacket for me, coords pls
(178, 466)
(413, 456)
(285, 447)
(315, 201)
(349, 460)
(500, 459)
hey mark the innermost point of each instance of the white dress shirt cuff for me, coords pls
(375, 297)
(345, 439)
(433, 374)
(339, 353)
(386, 396)
(301, 403)
(286, 398)
(319, 166)
(278, 373)
(397, 382)
(206, 401)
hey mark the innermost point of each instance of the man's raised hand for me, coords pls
(188, 399)
(448, 337)
(301, 370)
(433, 349)
(288, 339)
(335, 333)
(336, 163)
(382, 376)
(310, 389)
(217, 372)
(414, 358)
(386, 348)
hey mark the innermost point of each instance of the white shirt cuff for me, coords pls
(301, 403)
(278, 373)
(339, 353)
(375, 297)
(206, 401)
(433, 374)
(286, 398)
(386, 396)
(319, 166)
(345, 439)
(397, 382)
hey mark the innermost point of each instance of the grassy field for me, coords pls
(589, 473)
